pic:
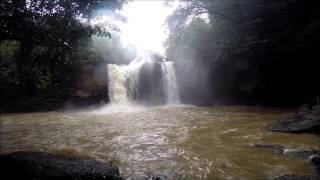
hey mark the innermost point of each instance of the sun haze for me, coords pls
(144, 28)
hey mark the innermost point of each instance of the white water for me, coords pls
(123, 81)
(117, 84)
(170, 84)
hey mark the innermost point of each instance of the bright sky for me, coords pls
(144, 28)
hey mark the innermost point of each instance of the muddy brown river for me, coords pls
(180, 142)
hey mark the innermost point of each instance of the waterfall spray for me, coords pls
(117, 84)
(170, 84)
(124, 81)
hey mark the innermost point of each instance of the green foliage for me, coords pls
(246, 49)
(43, 42)
(59, 25)
(188, 43)
(8, 67)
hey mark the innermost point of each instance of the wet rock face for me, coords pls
(44, 166)
(150, 86)
(306, 155)
(90, 86)
(305, 120)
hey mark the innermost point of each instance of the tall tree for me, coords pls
(58, 26)
(250, 46)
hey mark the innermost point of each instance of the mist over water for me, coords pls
(170, 84)
(125, 83)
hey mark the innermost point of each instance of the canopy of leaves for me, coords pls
(43, 41)
(249, 46)
(47, 22)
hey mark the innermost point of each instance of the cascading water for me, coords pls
(170, 85)
(124, 81)
(117, 84)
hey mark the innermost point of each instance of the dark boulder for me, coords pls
(305, 120)
(306, 155)
(44, 166)
(310, 155)
(316, 162)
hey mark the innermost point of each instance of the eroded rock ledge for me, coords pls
(45, 166)
(307, 119)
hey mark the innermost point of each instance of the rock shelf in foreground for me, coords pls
(45, 166)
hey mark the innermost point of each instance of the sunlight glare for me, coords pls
(144, 28)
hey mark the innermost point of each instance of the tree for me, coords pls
(56, 27)
(59, 24)
(250, 47)
(48, 39)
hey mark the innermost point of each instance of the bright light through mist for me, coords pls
(145, 26)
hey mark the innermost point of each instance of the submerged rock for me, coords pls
(306, 155)
(298, 177)
(305, 120)
(278, 149)
(310, 155)
(158, 177)
(45, 166)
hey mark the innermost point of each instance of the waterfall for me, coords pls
(170, 85)
(117, 84)
(125, 82)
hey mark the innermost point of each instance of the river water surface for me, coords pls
(180, 142)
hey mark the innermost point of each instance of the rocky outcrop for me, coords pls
(311, 155)
(278, 149)
(89, 87)
(307, 119)
(44, 166)
(150, 84)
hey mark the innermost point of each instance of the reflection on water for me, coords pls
(181, 142)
